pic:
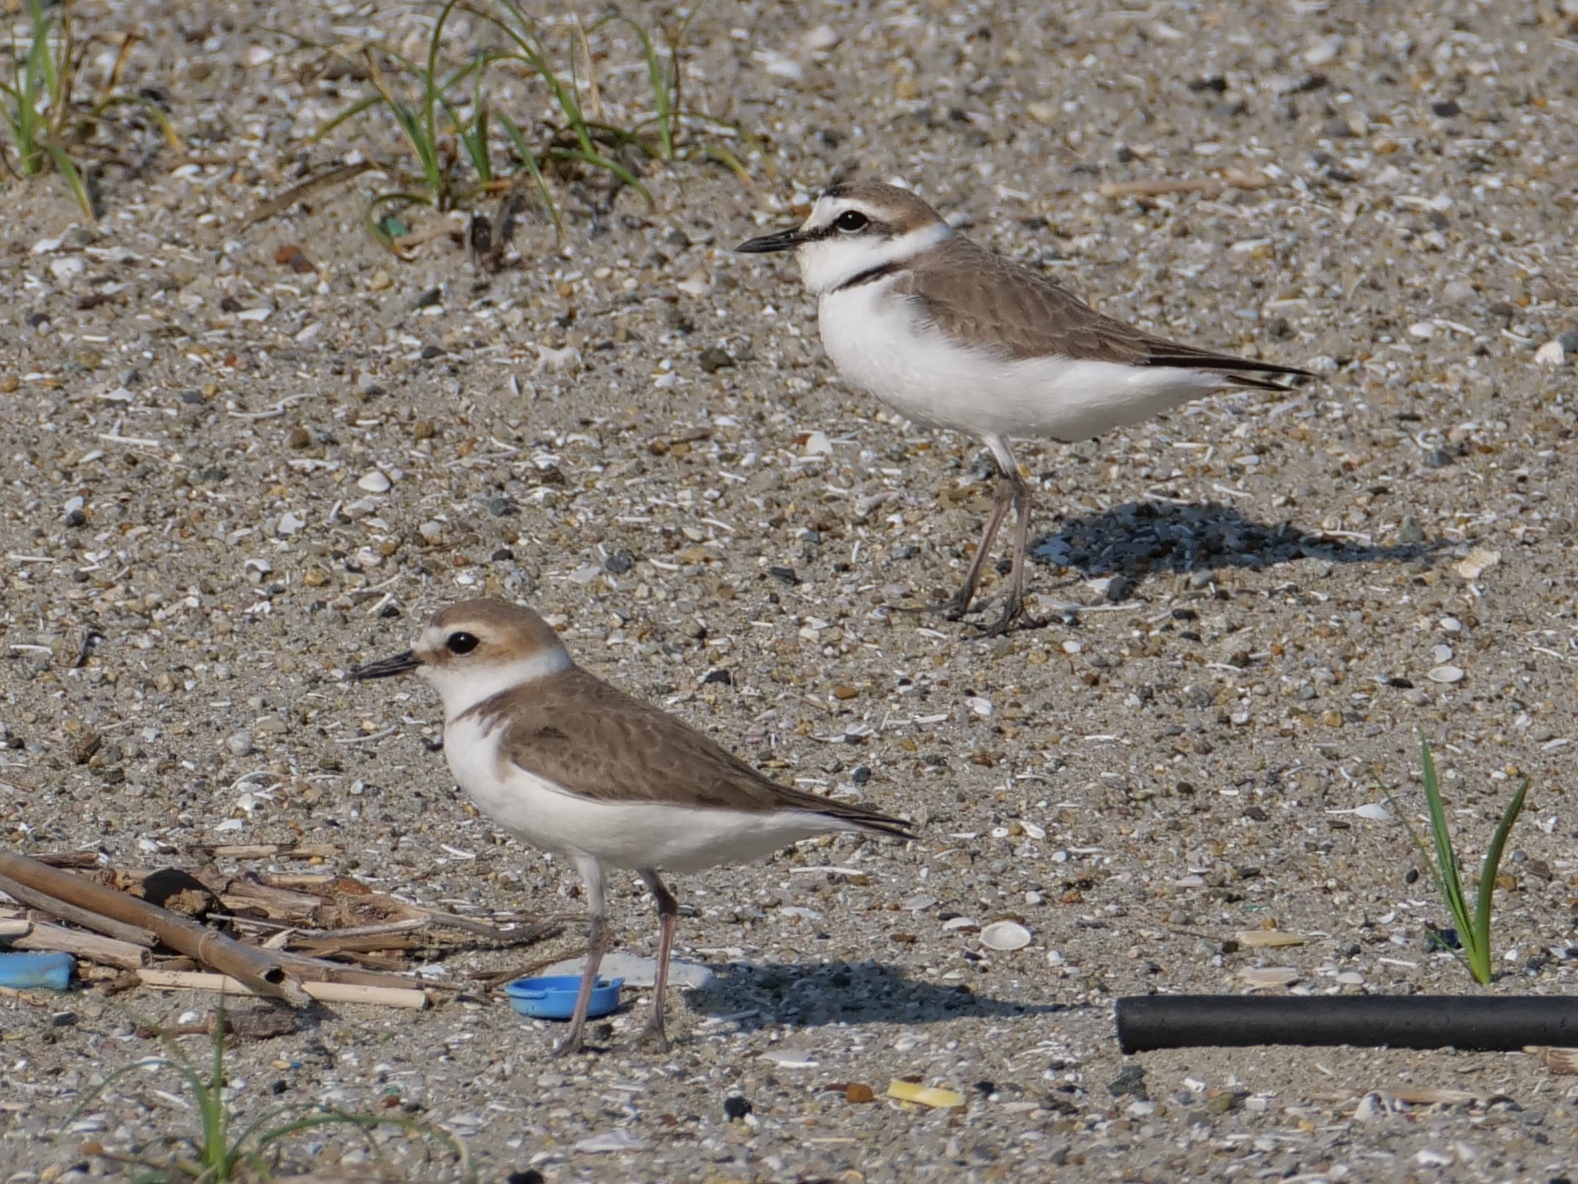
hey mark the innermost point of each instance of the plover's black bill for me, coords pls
(402, 663)
(784, 240)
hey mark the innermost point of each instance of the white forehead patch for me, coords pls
(829, 208)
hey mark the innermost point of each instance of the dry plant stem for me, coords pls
(322, 992)
(261, 972)
(106, 951)
(1208, 186)
(135, 934)
(278, 205)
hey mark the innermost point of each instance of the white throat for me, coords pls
(463, 688)
(829, 262)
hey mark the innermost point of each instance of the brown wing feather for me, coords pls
(974, 295)
(600, 743)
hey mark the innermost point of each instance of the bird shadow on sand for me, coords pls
(835, 992)
(1139, 539)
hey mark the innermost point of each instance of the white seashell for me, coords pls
(1446, 674)
(1450, 625)
(1550, 354)
(1441, 654)
(67, 269)
(289, 524)
(1323, 51)
(254, 314)
(696, 285)
(1269, 976)
(1374, 811)
(1034, 831)
(376, 481)
(557, 360)
(980, 706)
(918, 903)
(816, 444)
(959, 923)
(1005, 935)
(821, 39)
(790, 1058)
(1477, 562)
(257, 55)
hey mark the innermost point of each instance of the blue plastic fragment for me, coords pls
(31, 972)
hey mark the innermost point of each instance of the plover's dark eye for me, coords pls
(851, 222)
(460, 643)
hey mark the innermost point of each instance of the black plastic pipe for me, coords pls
(1482, 1023)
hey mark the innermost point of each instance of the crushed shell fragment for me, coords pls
(925, 1095)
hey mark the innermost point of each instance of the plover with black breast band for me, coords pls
(566, 762)
(952, 336)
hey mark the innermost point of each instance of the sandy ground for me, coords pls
(638, 432)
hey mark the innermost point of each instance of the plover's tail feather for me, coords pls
(1239, 371)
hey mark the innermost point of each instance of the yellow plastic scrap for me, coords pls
(925, 1095)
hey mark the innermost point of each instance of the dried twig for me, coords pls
(323, 992)
(261, 971)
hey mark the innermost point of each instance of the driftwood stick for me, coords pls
(45, 903)
(106, 951)
(257, 968)
(312, 969)
(14, 927)
(323, 992)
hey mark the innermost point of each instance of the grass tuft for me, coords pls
(216, 1153)
(455, 129)
(1473, 927)
(47, 123)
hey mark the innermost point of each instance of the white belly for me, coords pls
(616, 834)
(873, 340)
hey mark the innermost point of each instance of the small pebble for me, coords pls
(239, 743)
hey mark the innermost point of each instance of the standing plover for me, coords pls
(952, 336)
(568, 763)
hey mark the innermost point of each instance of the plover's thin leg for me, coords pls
(596, 944)
(668, 911)
(959, 603)
(1014, 605)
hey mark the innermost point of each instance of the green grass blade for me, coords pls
(730, 161)
(350, 112)
(1446, 858)
(529, 163)
(68, 170)
(1487, 876)
(598, 160)
(429, 94)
